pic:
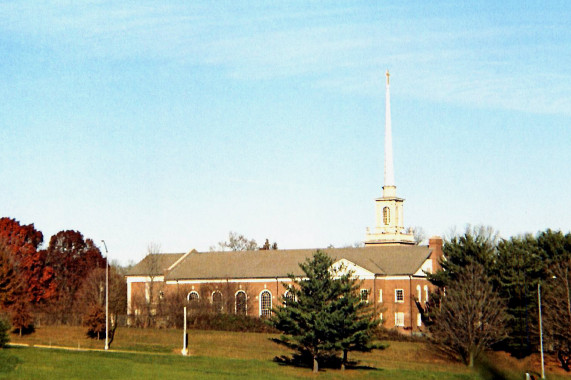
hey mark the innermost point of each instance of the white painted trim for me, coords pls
(236, 304)
(180, 259)
(235, 280)
(349, 266)
(397, 319)
(260, 301)
(189, 293)
(389, 278)
(257, 280)
(131, 279)
(129, 301)
(403, 296)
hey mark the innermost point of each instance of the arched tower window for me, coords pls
(386, 215)
(265, 304)
(241, 303)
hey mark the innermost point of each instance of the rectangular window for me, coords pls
(381, 295)
(365, 295)
(399, 295)
(419, 319)
(399, 319)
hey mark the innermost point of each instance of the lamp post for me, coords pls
(106, 296)
(540, 330)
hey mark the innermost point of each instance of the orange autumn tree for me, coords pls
(24, 271)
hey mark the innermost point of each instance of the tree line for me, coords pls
(487, 295)
(62, 283)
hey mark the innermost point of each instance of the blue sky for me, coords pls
(177, 122)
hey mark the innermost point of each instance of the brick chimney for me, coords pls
(435, 244)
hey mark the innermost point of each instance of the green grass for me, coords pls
(35, 363)
(214, 355)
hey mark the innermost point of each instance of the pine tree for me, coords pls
(323, 313)
(305, 318)
(352, 319)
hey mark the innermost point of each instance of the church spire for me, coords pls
(389, 208)
(389, 171)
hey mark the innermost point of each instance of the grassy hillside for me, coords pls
(214, 354)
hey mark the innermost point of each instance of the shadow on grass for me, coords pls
(304, 359)
(8, 362)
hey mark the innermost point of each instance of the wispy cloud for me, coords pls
(344, 49)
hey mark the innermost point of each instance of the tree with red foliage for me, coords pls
(21, 243)
(10, 280)
(72, 258)
(21, 240)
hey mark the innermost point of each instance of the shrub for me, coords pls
(4, 329)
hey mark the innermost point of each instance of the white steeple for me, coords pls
(389, 171)
(389, 208)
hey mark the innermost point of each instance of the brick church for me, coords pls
(391, 266)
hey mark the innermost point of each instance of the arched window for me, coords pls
(425, 293)
(192, 296)
(241, 303)
(265, 304)
(419, 293)
(217, 301)
(386, 215)
(288, 296)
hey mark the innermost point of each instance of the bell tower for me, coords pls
(389, 229)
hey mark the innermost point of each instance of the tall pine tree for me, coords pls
(323, 313)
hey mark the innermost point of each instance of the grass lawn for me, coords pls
(214, 354)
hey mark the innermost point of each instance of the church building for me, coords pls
(391, 266)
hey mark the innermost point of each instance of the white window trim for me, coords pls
(396, 298)
(380, 295)
(361, 294)
(260, 301)
(191, 292)
(221, 299)
(399, 322)
(419, 292)
(419, 320)
(425, 293)
(245, 300)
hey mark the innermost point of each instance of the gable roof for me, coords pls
(154, 264)
(381, 260)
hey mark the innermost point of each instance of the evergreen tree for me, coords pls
(323, 313)
(519, 267)
(476, 245)
(305, 318)
(352, 320)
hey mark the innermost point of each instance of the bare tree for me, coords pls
(236, 242)
(469, 316)
(152, 295)
(91, 300)
(419, 235)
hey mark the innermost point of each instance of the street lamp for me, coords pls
(106, 296)
(541, 327)
(540, 330)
